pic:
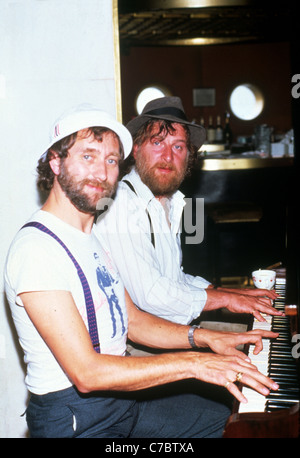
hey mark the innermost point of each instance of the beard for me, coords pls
(159, 183)
(75, 191)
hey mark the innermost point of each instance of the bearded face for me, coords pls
(75, 191)
(90, 171)
(162, 160)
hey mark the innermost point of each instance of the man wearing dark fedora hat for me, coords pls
(142, 227)
(169, 109)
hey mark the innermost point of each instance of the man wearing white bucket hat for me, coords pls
(73, 315)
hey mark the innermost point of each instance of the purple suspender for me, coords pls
(90, 309)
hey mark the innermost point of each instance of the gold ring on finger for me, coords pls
(239, 376)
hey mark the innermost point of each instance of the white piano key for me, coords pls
(257, 401)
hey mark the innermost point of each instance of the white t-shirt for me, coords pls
(37, 262)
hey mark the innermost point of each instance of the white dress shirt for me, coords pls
(152, 275)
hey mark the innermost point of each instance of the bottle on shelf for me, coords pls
(210, 131)
(227, 131)
(219, 137)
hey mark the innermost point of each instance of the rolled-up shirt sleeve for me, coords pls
(197, 281)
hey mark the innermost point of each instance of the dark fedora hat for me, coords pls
(169, 109)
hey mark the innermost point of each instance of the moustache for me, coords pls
(163, 165)
(96, 184)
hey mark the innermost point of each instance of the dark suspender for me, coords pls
(90, 309)
(150, 222)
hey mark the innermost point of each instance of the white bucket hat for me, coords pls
(83, 117)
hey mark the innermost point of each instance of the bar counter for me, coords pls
(241, 163)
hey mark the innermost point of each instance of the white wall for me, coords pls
(53, 54)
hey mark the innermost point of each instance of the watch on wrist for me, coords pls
(191, 336)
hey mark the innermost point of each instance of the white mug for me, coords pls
(264, 279)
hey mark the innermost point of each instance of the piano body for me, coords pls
(277, 415)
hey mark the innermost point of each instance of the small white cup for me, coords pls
(264, 279)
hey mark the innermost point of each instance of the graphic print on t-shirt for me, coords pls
(105, 282)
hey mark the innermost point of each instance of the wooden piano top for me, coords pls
(281, 424)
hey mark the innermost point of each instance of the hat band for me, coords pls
(168, 111)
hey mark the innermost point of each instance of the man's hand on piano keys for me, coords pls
(256, 292)
(227, 370)
(226, 343)
(251, 301)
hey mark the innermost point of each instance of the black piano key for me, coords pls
(286, 388)
(272, 406)
(281, 366)
(286, 383)
(287, 376)
(292, 377)
(285, 380)
(282, 335)
(281, 361)
(282, 331)
(281, 345)
(284, 397)
(281, 353)
(284, 348)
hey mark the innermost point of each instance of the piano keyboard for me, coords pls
(275, 361)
